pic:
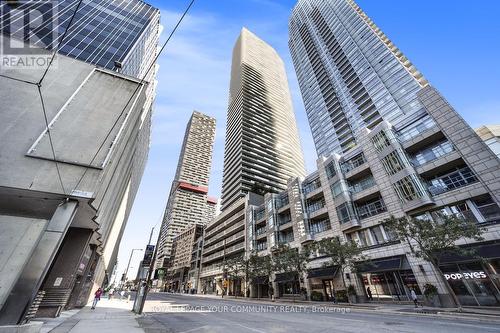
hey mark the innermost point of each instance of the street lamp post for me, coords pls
(128, 265)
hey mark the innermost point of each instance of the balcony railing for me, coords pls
(285, 238)
(362, 185)
(370, 208)
(314, 206)
(412, 131)
(353, 163)
(430, 154)
(260, 231)
(282, 201)
(452, 180)
(309, 187)
(316, 227)
(260, 214)
(261, 246)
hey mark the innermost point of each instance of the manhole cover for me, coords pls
(393, 323)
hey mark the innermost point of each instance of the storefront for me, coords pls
(475, 282)
(388, 279)
(260, 287)
(288, 284)
(322, 282)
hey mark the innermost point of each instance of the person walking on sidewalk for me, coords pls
(413, 296)
(97, 297)
(369, 292)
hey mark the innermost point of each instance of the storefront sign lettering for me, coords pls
(465, 275)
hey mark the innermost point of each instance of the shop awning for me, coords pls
(486, 251)
(259, 280)
(330, 271)
(285, 277)
(380, 265)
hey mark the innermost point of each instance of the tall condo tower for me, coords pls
(188, 202)
(262, 149)
(350, 74)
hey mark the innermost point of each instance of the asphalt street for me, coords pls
(185, 313)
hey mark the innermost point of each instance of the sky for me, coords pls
(455, 44)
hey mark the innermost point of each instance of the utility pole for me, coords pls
(143, 293)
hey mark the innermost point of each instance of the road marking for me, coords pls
(250, 328)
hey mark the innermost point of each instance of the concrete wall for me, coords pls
(17, 242)
(91, 112)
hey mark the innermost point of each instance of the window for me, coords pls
(457, 178)
(408, 189)
(316, 227)
(353, 163)
(330, 170)
(431, 153)
(377, 235)
(393, 162)
(414, 130)
(370, 208)
(487, 208)
(380, 141)
(336, 189)
(345, 212)
(362, 184)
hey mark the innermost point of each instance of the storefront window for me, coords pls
(474, 283)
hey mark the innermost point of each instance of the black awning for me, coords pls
(486, 251)
(260, 280)
(330, 271)
(380, 265)
(285, 277)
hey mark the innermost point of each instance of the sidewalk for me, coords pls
(487, 314)
(109, 316)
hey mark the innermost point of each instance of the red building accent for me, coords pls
(193, 188)
(212, 200)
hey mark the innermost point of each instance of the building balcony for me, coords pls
(260, 231)
(351, 224)
(353, 163)
(439, 163)
(361, 185)
(318, 212)
(311, 187)
(423, 126)
(316, 227)
(457, 178)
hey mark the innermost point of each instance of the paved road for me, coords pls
(192, 314)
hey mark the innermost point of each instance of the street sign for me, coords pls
(148, 255)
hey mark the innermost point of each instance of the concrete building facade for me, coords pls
(189, 202)
(60, 237)
(185, 251)
(262, 148)
(490, 134)
(102, 166)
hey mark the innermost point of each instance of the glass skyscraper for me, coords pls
(102, 32)
(350, 74)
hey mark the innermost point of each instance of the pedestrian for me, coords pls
(110, 293)
(97, 297)
(413, 296)
(369, 292)
(334, 299)
(122, 294)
